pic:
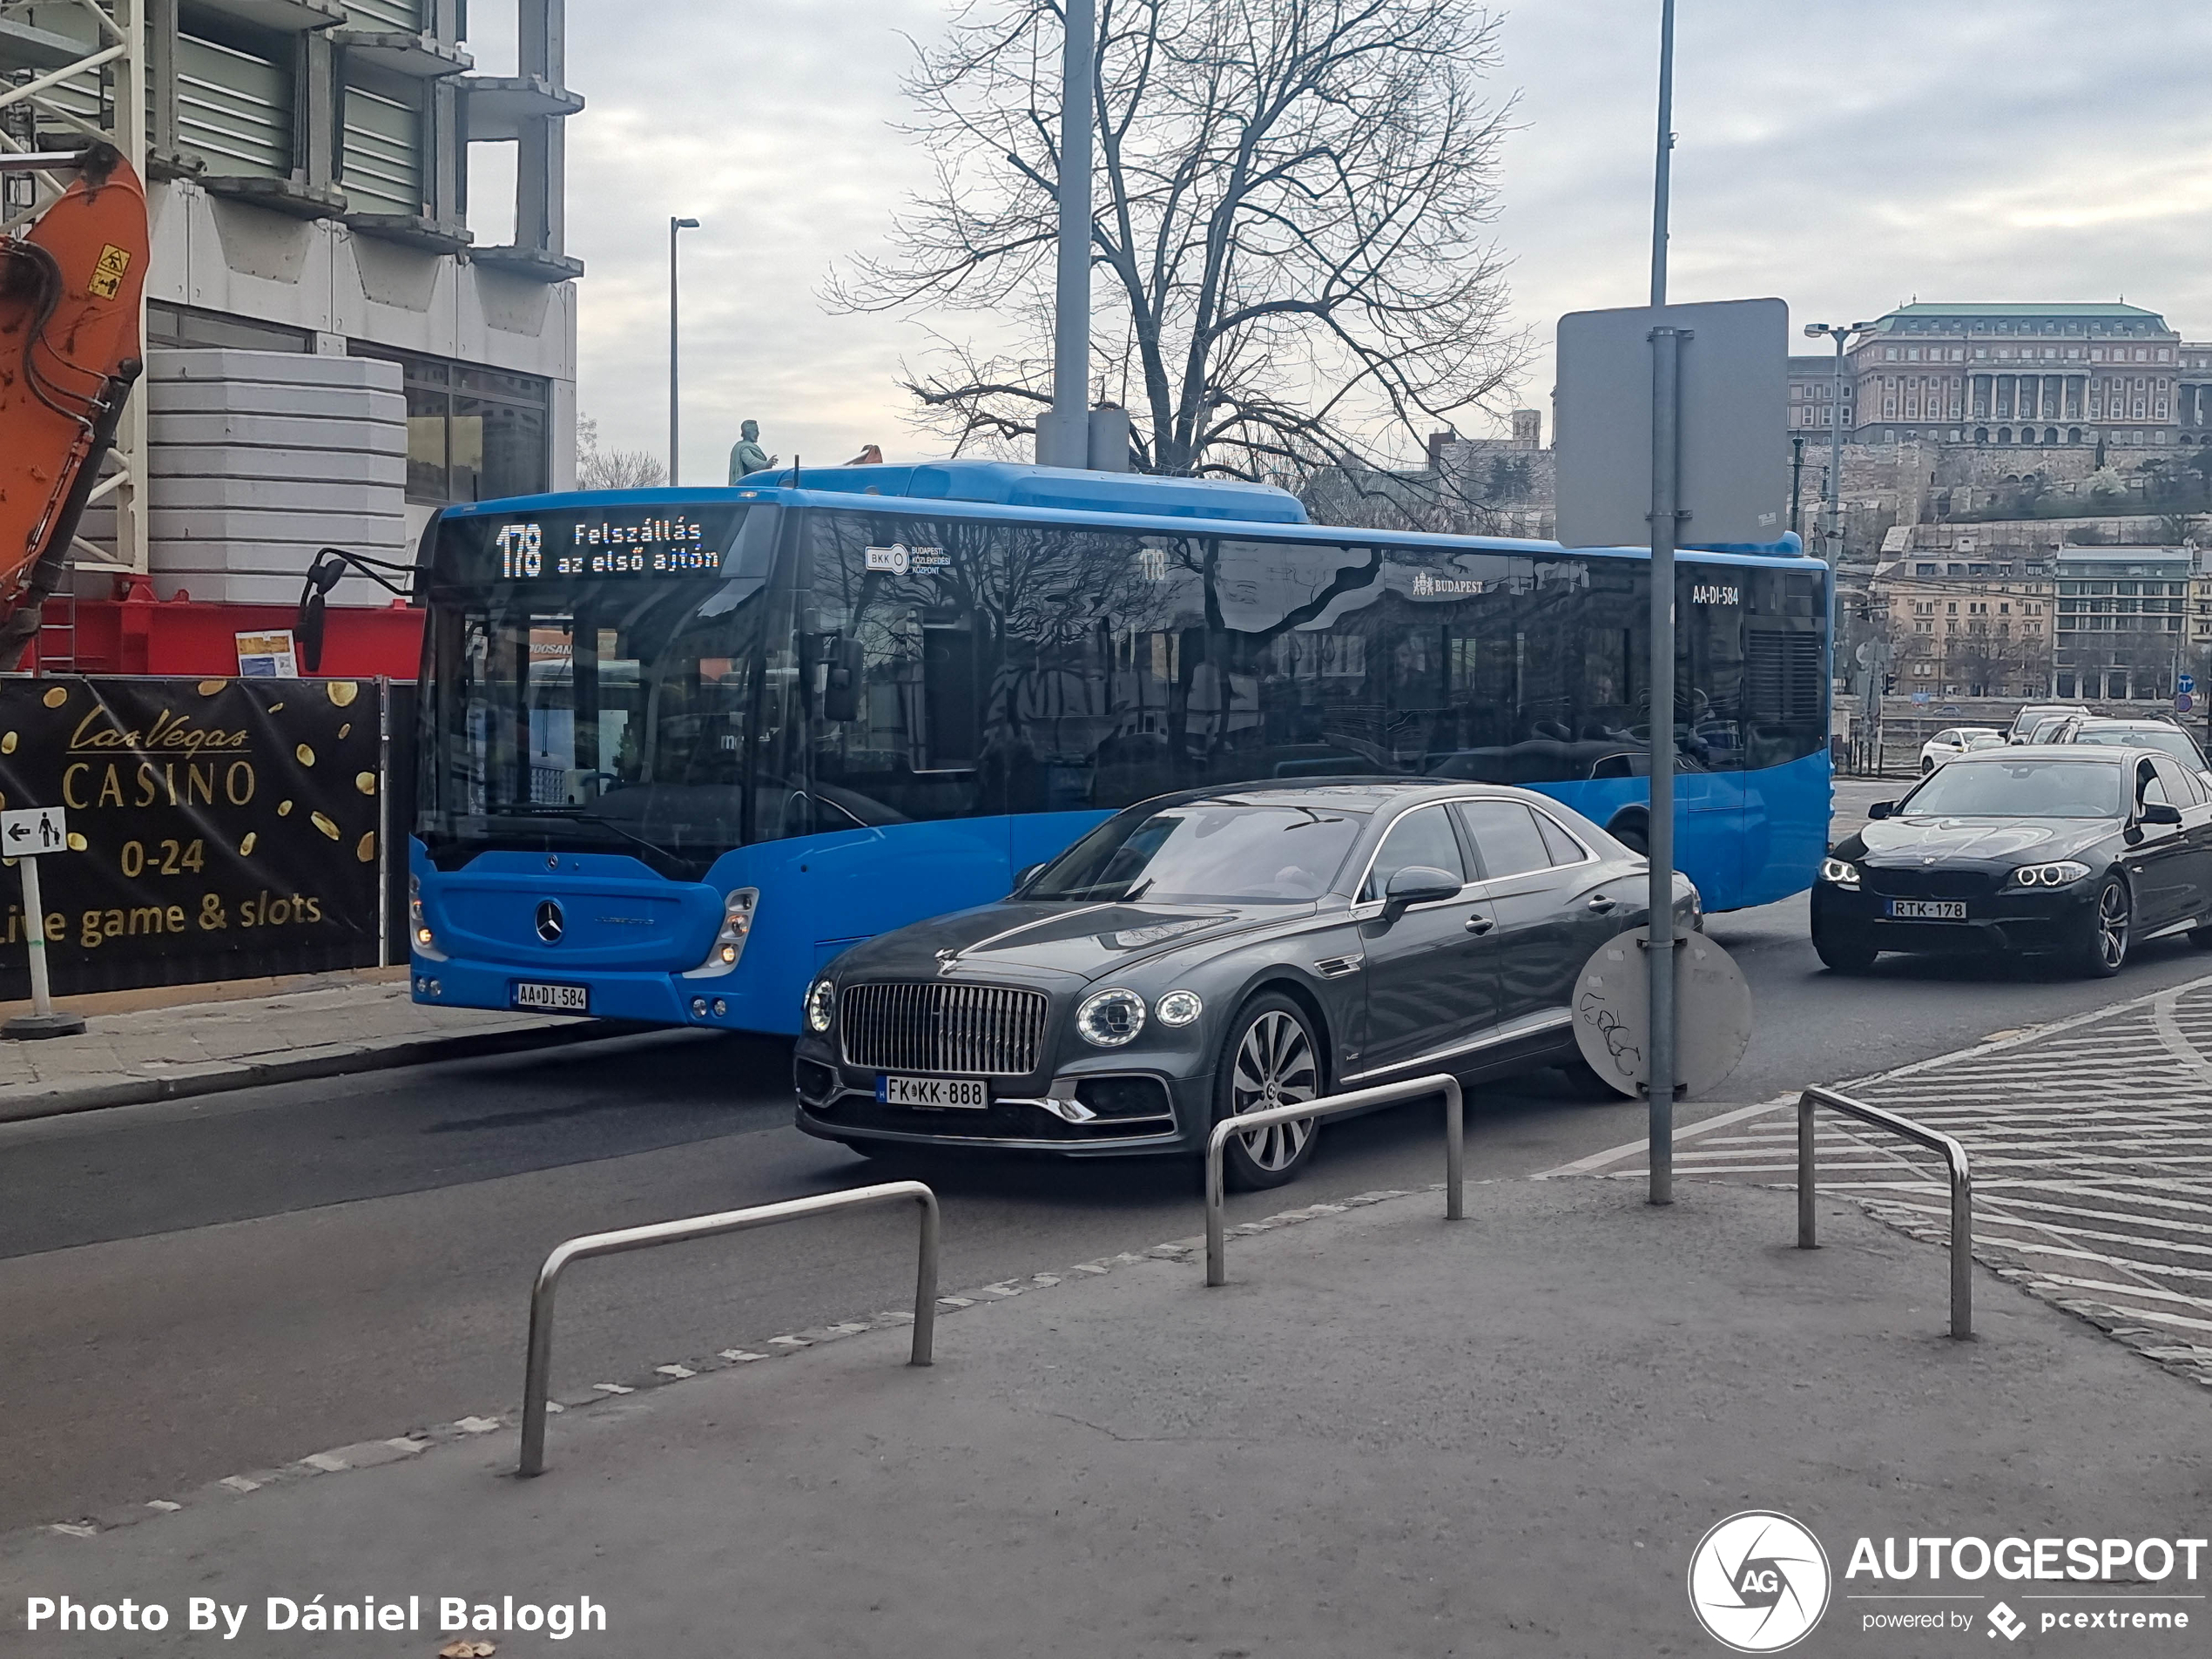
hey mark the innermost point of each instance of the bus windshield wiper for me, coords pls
(531, 809)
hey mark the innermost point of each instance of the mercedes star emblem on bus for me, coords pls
(549, 922)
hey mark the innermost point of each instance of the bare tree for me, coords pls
(598, 469)
(1291, 247)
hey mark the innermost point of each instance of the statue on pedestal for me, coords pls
(746, 454)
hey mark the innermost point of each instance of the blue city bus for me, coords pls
(680, 748)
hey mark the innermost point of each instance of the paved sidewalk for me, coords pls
(2090, 1139)
(1389, 1434)
(319, 1026)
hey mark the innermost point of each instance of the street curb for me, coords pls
(227, 1076)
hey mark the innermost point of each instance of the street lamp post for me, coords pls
(1832, 498)
(1662, 167)
(1831, 494)
(674, 226)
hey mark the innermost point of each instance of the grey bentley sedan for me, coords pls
(1219, 951)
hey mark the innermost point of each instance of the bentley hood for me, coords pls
(1081, 941)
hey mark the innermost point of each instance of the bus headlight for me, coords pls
(424, 942)
(1111, 1018)
(738, 907)
(822, 1006)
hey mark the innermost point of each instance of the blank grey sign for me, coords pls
(1733, 478)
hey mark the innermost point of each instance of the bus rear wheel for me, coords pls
(1631, 830)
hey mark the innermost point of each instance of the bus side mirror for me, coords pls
(309, 628)
(327, 570)
(841, 687)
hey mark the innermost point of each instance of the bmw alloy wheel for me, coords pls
(1274, 1063)
(2114, 921)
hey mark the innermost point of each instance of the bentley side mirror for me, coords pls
(1881, 809)
(2159, 812)
(1027, 873)
(1417, 884)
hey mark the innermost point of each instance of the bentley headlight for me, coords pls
(2050, 875)
(1178, 1008)
(822, 1006)
(1111, 1018)
(1840, 872)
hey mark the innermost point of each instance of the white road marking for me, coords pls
(2091, 1143)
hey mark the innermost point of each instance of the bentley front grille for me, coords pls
(959, 1030)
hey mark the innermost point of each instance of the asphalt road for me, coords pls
(207, 1287)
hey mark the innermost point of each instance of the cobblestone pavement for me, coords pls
(2091, 1145)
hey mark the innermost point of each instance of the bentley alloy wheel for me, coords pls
(1270, 1059)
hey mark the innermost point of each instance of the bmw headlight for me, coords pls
(1111, 1018)
(1178, 1008)
(2050, 875)
(822, 1006)
(1840, 872)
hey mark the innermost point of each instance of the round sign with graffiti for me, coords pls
(1613, 1013)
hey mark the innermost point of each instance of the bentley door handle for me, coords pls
(1599, 905)
(1479, 924)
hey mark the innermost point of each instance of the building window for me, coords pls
(174, 327)
(473, 434)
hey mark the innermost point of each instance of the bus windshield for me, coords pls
(598, 710)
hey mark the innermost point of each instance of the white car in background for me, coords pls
(2033, 716)
(1953, 741)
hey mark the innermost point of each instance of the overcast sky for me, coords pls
(1844, 154)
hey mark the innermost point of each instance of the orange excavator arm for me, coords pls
(69, 354)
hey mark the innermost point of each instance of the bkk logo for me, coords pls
(1758, 1582)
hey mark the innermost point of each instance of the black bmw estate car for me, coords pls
(2066, 850)
(1217, 952)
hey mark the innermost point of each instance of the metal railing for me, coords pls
(1962, 1189)
(536, 1372)
(1329, 1106)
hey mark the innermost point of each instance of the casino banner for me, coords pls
(218, 828)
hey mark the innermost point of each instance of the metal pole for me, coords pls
(1962, 1252)
(34, 917)
(1797, 476)
(1661, 174)
(673, 453)
(1357, 1100)
(1666, 363)
(537, 1366)
(1808, 1223)
(1835, 490)
(1063, 436)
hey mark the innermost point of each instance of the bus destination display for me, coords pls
(679, 545)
